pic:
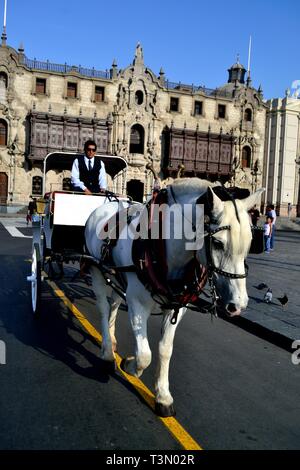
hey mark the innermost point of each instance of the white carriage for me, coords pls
(58, 226)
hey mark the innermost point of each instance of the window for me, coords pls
(3, 87)
(99, 93)
(66, 184)
(221, 111)
(174, 104)
(246, 157)
(3, 79)
(72, 90)
(40, 86)
(248, 115)
(3, 132)
(139, 97)
(198, 108)
(137, 134)
(37, 185)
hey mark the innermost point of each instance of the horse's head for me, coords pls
(229, 248)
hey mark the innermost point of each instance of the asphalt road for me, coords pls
(232, 390)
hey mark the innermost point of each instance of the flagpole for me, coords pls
(5, 8)
(4, 37)
(249, 55)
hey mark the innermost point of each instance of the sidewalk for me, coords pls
(280, 270)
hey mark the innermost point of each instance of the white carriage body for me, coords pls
(74, 209)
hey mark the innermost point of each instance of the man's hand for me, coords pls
(87, 191)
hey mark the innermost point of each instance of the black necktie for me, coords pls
(90, 165)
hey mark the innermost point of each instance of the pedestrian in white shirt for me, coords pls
(272, 213)
(268, 233)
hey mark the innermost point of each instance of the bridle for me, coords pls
(211, 268)
(209, 233)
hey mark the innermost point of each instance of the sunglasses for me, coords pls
(91, 149)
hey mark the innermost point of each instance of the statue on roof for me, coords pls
(138, 56)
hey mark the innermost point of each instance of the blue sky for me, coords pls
(194, 41)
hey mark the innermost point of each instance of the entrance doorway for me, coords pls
(3, 188)
(135, 189)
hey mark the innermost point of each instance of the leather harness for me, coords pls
(149, 262)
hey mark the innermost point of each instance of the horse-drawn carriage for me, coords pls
(167, 271)
(58, 225)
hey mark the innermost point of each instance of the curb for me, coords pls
(278, 339)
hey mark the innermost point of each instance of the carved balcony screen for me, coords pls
(203, 154)
(50, 133)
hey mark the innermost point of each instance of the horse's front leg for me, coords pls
(163, 398)
(138, 315)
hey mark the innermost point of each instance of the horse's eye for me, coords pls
(218, 244)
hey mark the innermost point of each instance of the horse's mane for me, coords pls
(192, 185)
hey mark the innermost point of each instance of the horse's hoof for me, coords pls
(110, 367)
(123, 363)
(164, 411)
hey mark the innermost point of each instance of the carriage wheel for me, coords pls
(36, 279)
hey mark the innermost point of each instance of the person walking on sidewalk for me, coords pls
(272, 213)
(32, 209)
(254, 214)
(268, 233)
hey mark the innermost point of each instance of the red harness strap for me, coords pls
(149, 258)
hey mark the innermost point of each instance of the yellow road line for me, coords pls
(177, 431)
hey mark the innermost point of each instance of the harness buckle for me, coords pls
(174, 316)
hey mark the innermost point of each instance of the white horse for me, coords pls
(230, 237)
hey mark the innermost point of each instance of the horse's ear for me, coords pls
(253, 199)
(215, 203)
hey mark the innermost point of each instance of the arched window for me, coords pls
(3, 87)
(137, 136)
(3, 78)
(37, 185)
(66, 184)
(139, 97)
(3, 132)
(246, 157)
(248, 115)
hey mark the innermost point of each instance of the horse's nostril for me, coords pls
(231, 308)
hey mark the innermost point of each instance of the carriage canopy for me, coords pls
(60, 161)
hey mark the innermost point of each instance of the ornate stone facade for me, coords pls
(282, 154)
(44, 107)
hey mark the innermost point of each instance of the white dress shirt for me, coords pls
(75, 173)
